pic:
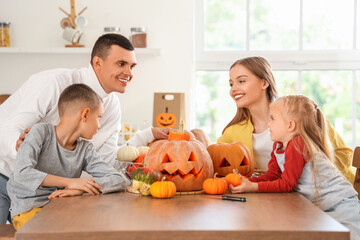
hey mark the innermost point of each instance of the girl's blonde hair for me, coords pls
(262, 69)
(311, 124)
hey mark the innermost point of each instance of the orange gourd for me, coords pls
(229, 156)
(136, 164)
(215, 185)
(163, 189)
(234, 178)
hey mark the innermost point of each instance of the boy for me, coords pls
(53, 157)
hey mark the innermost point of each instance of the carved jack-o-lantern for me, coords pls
(229, 156)
(166, 120)
(186, 163)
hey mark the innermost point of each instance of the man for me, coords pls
(111, 69)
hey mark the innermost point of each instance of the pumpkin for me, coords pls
(143, 149)
(229, 156)
(136, 164)
(163, 189)
(166, 120)
(234, 178)
(215, 185)
(127, 153)
(186, 163)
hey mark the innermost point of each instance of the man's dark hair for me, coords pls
(103, 44)
(78, 94)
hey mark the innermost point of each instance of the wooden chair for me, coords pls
(7, 232)
(356, 163)
(3, 97)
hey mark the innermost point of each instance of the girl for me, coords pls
(301, 160)
(253, 88)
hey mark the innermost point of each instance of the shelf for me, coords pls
(64, 50)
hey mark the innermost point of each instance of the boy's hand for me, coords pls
(246, 186)
(86, 184)
(65, 193)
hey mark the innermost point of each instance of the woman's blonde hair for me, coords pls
(262, 69)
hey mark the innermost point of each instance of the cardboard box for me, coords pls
(169, 109)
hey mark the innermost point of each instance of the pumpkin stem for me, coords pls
(181, 127)
(215, 175)
(163, 178)
(237, 171)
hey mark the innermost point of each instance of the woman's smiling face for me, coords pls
(245, 87)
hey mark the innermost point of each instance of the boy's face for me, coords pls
(117, 70)
(278, 125)
(92, 123)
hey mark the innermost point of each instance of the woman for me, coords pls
(253, 88)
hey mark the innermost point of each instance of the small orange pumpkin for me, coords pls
(229, 156)
(166, 120)
(163, 189)
(234, 178)
(215, 185)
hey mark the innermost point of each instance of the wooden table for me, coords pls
(131, 216)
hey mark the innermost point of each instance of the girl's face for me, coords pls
(245, 87)
(278, 125)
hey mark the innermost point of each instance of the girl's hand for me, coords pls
(65, 193)
(246, 186)
(86, 184)
(260, 171)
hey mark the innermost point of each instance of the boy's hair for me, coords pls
(311, 124)
(78, 95)
(103, 44)
(262, 69)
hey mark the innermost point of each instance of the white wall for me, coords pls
(36, 24)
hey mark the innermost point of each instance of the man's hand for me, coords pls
(161, 133)
(65, 193)
(21, 138)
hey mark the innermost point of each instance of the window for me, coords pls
(312, 45)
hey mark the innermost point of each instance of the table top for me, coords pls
(131, 216)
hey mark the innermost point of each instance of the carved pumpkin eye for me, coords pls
(226, 157)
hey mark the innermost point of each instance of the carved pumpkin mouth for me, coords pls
(171, 171)
(184, 176)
